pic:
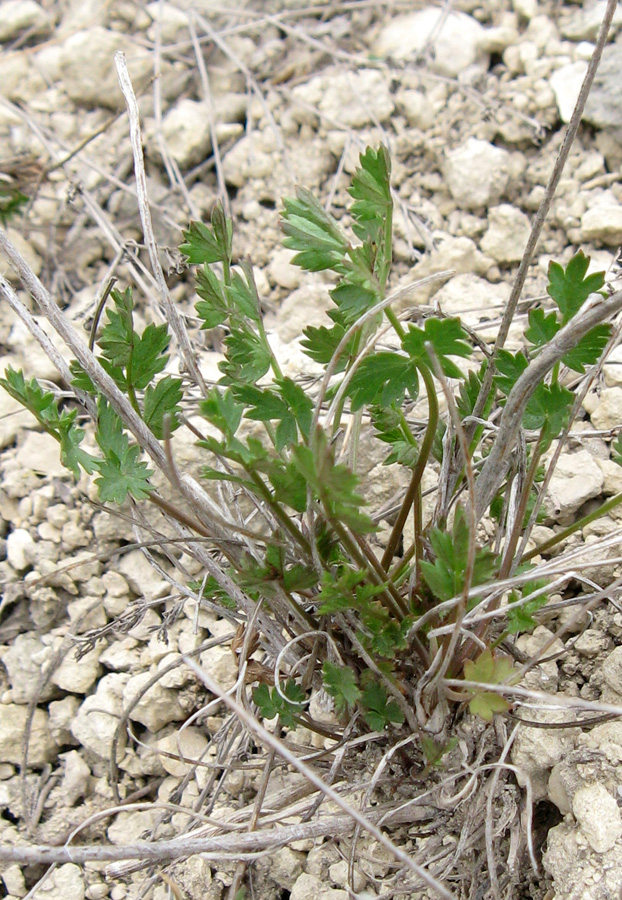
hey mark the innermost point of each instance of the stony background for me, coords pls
(284, 95)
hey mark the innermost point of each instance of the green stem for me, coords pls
(576, 526)
(279, 513)
(375, 565)
(395, 322)
(419, 469)
(131, 396)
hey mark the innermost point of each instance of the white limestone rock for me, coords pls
(78, 675)
(577, 479)
(473, 299)
(62, 713)
(95, 723)
(281, 271)
(143, 579)
(128, 827)
(536, 750)
(507, 235)
(597, 813)
(309, 887)
(76, 777)
(191, 743)
(477, 173)
(220, 664)
(591, 643)
(41, 747)
(24, 660)
(39, 452)
(20, 549)
(612, 670)
(457, 40)
(65, 883)
(612, 369)
(354, 99)
(87, 68)
(13, 417)
(566, 83)
(607, 412)
(603, 223)
(584, 21)
(17, 16)
(156, 708)
(186, 130)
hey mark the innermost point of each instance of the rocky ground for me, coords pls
(246, 100)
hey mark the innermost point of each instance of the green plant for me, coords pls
(389, 633)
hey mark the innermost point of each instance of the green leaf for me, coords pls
(446, 575)
(71, 456)
(542, 327)
(510, 366)
(212, 309)
(60, 425)
(285, 402)
(371, 186)
(353, 300)
(242, 293)
(469, 391)
(210, 589)
(80, 379)
(300, 405)
(520, 619)
(570, 287)
(589, 349)
(314, 233)
(321, 343)
(11, 201)
(289, 487)
(247, 357)
(221, 409)
(162, 400)
(349, 590)
(616, 450)
(340, 683)
(209, 245)
(488, 669)
(549, 405)
(121, 472)
(41, 403)
(270, 703)
(383, 379)
(378, 710)
(142, 357)
(388, 426)
(434, 750)
(447, 337)
(334, 484)
(263, 404)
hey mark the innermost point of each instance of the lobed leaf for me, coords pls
(383, 379)
(570, 287)
(340, 683)
(313, 232)
(209, 245)
(447, 338)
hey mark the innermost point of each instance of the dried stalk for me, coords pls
(172, 314)
(217, 846)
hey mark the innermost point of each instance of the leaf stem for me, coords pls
(419, 469)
